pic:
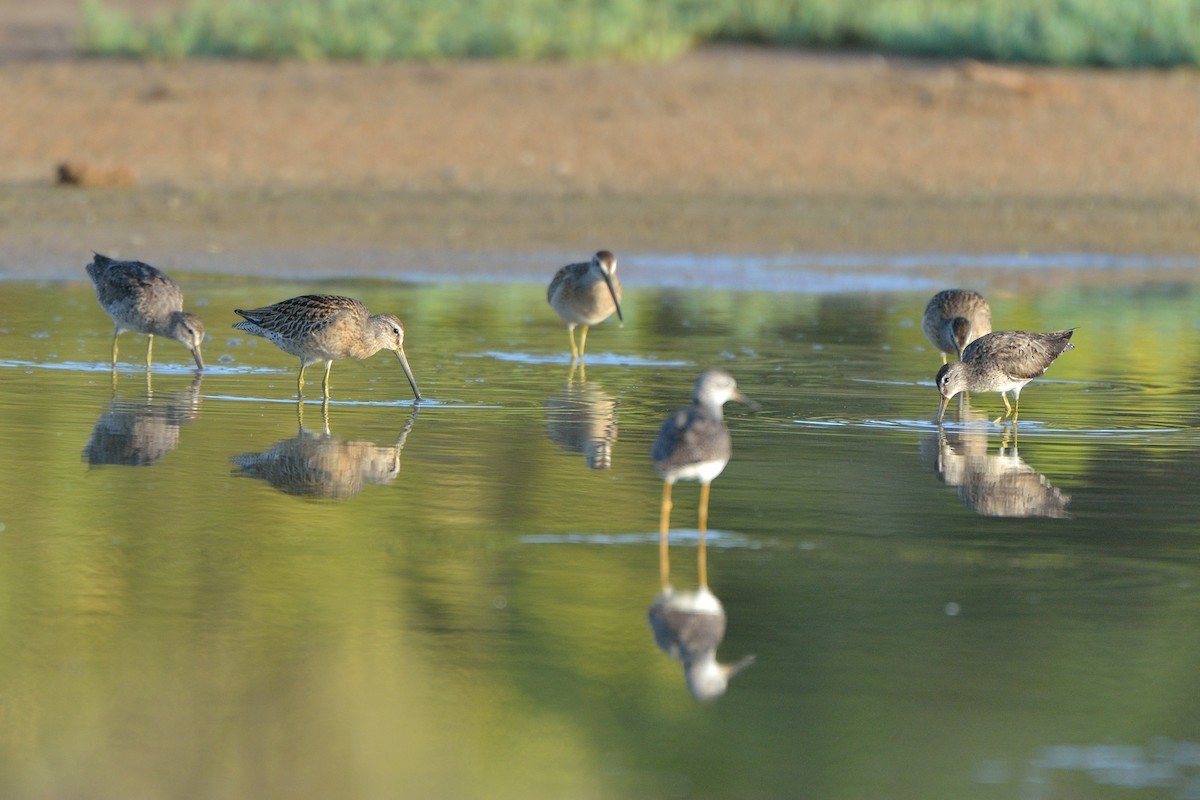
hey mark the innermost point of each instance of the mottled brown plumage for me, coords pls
(994, 484)
(583, 419)
(1003, 361)
(954, 318)
(586, 294)
(138, 297)
(326, 327)
(324, 465)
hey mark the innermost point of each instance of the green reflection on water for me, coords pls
(460, 609)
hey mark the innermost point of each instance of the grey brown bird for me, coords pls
(140, 433)
(693, 444)
(1002, 361)
(689, 626)
(583, 419)
(954, 318)
(324, 465)
(326, 327)
(138, 297)
(586, 294)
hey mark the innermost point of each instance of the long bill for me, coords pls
(408, 373)
(199, 359)
(942, 403)
(741, 398)
(613, 291)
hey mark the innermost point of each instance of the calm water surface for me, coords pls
(208, 591)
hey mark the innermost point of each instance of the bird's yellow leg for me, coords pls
(325, 381)
(1007, 408)
(583, 329)
(149, 349)
(702, 553)
(116, 333)
(1016, 409)
(571, 337)
(664, 557)
(300, 381)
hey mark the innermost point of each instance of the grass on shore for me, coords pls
(1116, 33)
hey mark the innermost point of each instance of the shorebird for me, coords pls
(326, 327)
(140, 433)
(693, 444)
(954, 318)
(140, 298)
(1003, 361)
(583, 419)
(689, 626)
(586, 294)
(323, 464)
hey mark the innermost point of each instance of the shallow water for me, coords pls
(210, 591)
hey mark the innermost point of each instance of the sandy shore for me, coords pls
(283, 167)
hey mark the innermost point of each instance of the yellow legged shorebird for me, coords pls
(1003, 361)
(955, 318)
(140, 298)
(326, 327)
(586, 294)
(693, 445)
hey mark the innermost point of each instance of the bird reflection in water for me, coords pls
(689, 626)
(997, 484)
(140, 433)
(582, 418)
(323, 465)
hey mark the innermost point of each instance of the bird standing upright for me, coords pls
(586, 294)
(694, 444)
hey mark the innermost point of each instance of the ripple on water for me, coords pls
(598, 359)
(715, 538)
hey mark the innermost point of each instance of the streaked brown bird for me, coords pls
(1002, 361)
(326, 327)
(693, 444)
(954, 318)
(138, 297)
(586, 294)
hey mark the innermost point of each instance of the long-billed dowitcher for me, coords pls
(693, 445)
(995, 484)
(954, 318)
(1003, 361)
(140, 298)
(326, 327)
(586, 294)
(323, 464)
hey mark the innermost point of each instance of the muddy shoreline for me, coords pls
(48, 232)
(331, 169)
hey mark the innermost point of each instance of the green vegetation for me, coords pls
(1121, 34)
